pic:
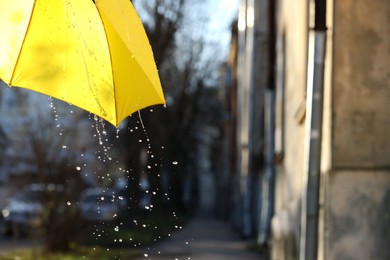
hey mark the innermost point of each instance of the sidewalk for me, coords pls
(203, 238)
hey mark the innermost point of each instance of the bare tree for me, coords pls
(50, 148)
(175, 30)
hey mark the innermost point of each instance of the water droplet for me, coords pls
(68, 203)
(116, 228)
(146, 255)
(78, 168)
(64, 147)
(175, 163)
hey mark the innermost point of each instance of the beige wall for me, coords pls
(356, 139)
(358, 186)
(361, 84)
(359, 217)
(292, 23)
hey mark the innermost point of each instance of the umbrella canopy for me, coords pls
(92, 54)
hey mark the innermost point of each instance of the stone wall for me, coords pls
(361, 90)
(358, 215)
(358, 188)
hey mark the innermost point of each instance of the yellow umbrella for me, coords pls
(92, 54)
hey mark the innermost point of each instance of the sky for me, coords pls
(222, 13)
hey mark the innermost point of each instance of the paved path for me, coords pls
(202, 238)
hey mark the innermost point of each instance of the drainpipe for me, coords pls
(314, 110)
(268, 179)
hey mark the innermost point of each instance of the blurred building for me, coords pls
(297, 188)
(38, 133)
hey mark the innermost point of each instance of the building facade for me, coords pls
(276, 67)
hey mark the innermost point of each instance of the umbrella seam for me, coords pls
(22, 46)
(112, 68)
(139, 64)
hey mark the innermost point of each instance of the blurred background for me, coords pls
(276, 122)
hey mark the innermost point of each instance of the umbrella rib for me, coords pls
(112, 69)
(21, 48)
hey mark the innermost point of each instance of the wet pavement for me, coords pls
(203, 238)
